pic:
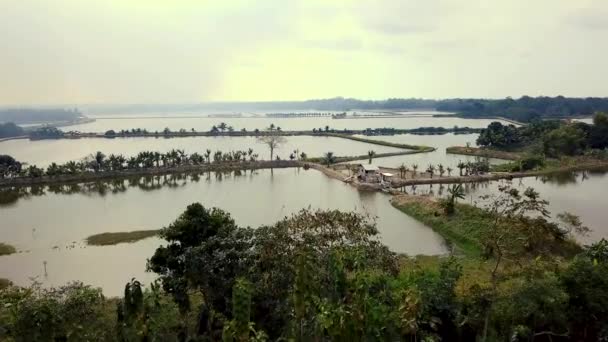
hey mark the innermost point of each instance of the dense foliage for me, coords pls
(323, 275)
(47, 132)
(551, 138)
(526, 108)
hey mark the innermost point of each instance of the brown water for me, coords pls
(49, 224)
(580, 193)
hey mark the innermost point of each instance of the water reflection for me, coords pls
(11, 195)
(49, 223)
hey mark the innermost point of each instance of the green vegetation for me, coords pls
(105, 239)
(9, 129)
(526, 108)
(99, 162)
(323, 275)
(381, 143)
(9, 167)
(465, 226)
(6, 249)
(551, 138)
(47, 132)
(4, 283)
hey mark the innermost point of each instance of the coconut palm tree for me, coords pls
(371, 154)
(208, 155)
(430, 169)
(415, 168)
(449, 170)
(454, 193)
(441, 170)
(329, 158)
(461, 165)
(402, 171)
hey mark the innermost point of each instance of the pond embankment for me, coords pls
(93, 176)
(483, 152)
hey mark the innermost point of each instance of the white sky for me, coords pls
(170, 51)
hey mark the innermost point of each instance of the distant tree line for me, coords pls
(526, 108)
(29, 115)
(9, 129)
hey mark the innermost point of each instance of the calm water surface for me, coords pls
(44, 152)
(439, 156)
(50, 224)
(203, 123)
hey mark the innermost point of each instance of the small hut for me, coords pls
(368, 173)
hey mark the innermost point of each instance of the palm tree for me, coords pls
(98, 161)
(303, 156)
(371, 154)
(271, 128)
(415, 168)
(329, 158)
(461, 166)
(454, 193)
(430, 169)
(402, 171)
(441, 170)
(222, 126)
(449, 170)
(208, 155)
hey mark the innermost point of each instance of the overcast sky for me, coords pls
(171, 51)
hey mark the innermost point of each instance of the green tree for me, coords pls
(329, 158)
(566, 140)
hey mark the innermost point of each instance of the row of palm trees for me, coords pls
(470, 168)
(404, 169)
(99, 162)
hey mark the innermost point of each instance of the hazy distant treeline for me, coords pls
(28, 115)
(523, 109)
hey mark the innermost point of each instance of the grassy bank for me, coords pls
(465, 229)
(345, 159)
(416, 148)
(460, 230)
(107, 239)
(483, 152)
(6, 249)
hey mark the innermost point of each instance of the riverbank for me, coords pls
(114, 238)
(483, 152)
(465, 229)
(460, 231)
(583, 166)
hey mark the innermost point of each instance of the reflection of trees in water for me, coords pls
(11, 195)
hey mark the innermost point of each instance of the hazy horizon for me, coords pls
(126, 52)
